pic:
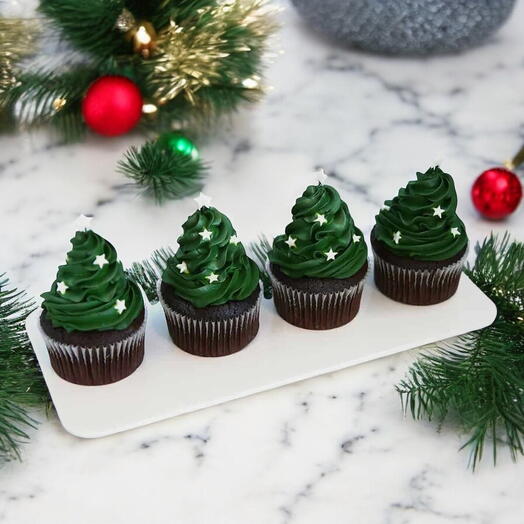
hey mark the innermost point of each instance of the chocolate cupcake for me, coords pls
(318, 266)
(419, 243)
(93, 318)
(210, 289)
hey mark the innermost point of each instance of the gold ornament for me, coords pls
(125, 21)
(149, 109)
(144, 38)
(59, 103)
(142, 33)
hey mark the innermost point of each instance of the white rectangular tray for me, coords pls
(171, 382)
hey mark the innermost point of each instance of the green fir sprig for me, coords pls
(21, 383)
(261, 250)
(148, 272)
(478, 379)
(163, 173)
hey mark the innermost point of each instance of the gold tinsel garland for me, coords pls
(17, 40)
(189, 56)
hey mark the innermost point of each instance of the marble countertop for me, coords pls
(334, 449)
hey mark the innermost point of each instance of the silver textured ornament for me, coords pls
(407, 27)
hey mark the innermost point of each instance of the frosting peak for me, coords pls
(322, 241)
(211, 266)
(421, 221)
(91, 291)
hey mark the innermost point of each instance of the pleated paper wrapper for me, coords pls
(316, 310)
(212, 338)
(98, 365)
(417, 286)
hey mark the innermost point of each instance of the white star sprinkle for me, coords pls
(321, 175)
(291, 242)
(120, 306)
(83, 222)
(203, 200)
(321, 219)
(385, 207)
(437, 211)
(61, 287)
(454, 231)
(330, 255)
(234, 240)
(397, 236)
(182, 267)
(213, 277)
(205, 234)
(356, 238)
(100, 261)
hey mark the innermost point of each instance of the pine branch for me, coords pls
(33, 99)
(148, 272)
(21, 383)
(163, 173)
(261, 250)
(478, 379)
(89, 25)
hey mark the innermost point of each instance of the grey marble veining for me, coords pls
(334, 449)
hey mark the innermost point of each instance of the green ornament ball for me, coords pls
(179, 143)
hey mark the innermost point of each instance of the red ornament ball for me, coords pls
(112, 105)
(496, 193)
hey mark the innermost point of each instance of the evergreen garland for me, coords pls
(478, 379)
(21, 383)
(204, 58)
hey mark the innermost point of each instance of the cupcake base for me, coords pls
(415, 282)
(95, 358)
(317, 303)
(213, 331)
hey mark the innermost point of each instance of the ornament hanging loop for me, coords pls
(516, 161)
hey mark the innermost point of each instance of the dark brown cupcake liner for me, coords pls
(419, 287)
(317, 311)
(97, 365)
(208, 337)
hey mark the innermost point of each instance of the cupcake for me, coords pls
(318, 266)
(419, 243)
(210, 288)
(93, 318)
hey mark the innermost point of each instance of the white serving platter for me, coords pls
(171, 382)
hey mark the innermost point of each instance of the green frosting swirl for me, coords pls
(421, 221)
(322, 241)
(91, 291)
(211, 266)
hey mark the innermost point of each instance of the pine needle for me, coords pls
(148, 272)
(162, 173)
(478, 379)
(21, 383)
(261, 250)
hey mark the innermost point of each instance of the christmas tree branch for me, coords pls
(261, 250)
(148, 272)
(88, 25)
(21, 383)
(163, 173)
(43, 97)
(478, 379)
